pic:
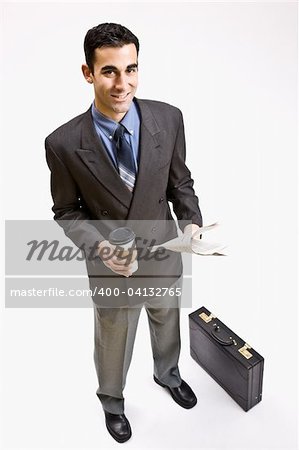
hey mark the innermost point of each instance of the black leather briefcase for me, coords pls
(226, 357)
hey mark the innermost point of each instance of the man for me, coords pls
(124, 159)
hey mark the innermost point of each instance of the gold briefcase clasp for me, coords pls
(244, 351)
(207, 318)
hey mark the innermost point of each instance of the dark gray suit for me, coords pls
(87, 191)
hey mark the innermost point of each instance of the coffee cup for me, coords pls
(124, 240)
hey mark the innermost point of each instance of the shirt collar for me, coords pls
(108, 126)
(129, 121)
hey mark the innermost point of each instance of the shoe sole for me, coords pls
(183, 405)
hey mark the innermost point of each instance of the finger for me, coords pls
(124, 272)
(124, 261)
(121, 268)
(119, 261)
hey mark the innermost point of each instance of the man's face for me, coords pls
(115, 79)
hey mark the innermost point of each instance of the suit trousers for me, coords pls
(114, 336)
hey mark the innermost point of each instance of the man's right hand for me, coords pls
(106, 252)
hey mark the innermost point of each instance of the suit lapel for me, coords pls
(149, 152)
(95, 157)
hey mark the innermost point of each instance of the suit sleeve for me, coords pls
(68, 209)
(180, 190)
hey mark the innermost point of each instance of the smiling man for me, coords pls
(124, 159)
(113, 71)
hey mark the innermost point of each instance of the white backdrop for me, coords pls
(231, 68)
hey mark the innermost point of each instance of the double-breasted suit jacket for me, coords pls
(89, 195)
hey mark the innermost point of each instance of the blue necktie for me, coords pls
(125, 160)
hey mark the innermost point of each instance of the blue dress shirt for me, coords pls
(105, 128)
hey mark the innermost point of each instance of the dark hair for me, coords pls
(107, 35)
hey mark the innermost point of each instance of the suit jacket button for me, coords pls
(104, 212)
(154, 229)
(161, 200)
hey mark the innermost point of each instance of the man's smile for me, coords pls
(120, 96)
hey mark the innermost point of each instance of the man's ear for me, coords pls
(87, 73)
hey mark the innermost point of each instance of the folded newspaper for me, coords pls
(187, 243)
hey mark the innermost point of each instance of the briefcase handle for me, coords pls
(222, 336)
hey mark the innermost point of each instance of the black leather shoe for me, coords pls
(118, 426)
(183, 395)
